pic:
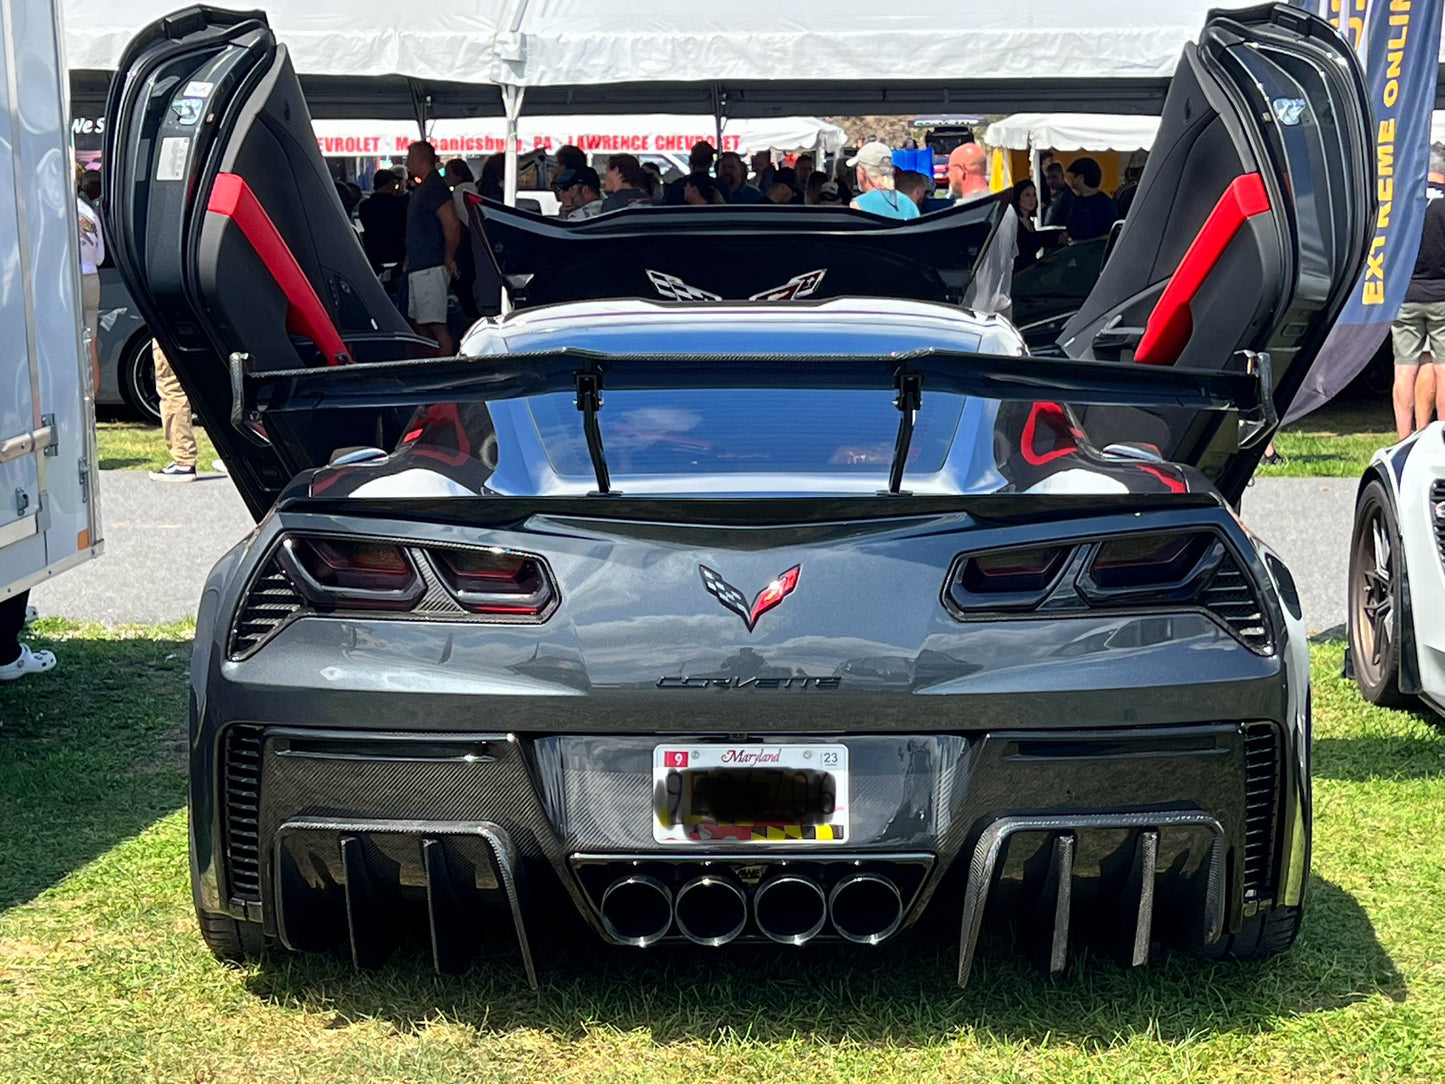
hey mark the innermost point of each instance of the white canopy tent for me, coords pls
(368, 58)
(1073, 132)
(451, 57)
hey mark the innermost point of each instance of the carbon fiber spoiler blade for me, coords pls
(1243, 387)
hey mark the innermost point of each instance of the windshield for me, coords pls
(743, 430)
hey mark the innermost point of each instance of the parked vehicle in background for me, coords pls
(49, 519)
(127, 374)
(1395, 612)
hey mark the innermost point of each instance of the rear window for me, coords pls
(745, 431)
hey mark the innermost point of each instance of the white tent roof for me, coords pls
(611, 56)
(650, 133)
(364, 58)
(1073, 132)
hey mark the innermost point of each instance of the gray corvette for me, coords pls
(795, 606)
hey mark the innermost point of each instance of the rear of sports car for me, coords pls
(718, 721)
(802, 605)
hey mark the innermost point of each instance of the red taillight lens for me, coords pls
(352, 573)
(496, 582)
(1148, 561)
(1013, 579)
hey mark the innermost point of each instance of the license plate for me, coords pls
(766, 795)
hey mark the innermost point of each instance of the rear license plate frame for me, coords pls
(673, 823)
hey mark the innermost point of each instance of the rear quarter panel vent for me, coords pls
(269, 604)
(1437, 521)
(241, 808)
(1261, 803)
(1231, 597)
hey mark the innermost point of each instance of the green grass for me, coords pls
(128, 445)
(1336, 441)
(103, 977)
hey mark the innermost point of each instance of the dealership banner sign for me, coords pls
(393, 143)
(1398, 42)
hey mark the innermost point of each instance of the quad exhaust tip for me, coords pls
(637, 910)
(865, 908)
(790, 909)
(710, 910)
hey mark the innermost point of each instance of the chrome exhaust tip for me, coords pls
(790, 909)
(636, 910)
(710, 910)
(865, 908)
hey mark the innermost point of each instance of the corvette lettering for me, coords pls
(679, 681)
(769, 597)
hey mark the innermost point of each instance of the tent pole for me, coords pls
(512, 103)
(719, 106)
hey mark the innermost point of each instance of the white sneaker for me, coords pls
(32, 615)
(29, 662)
(219, 465)
(174, 472)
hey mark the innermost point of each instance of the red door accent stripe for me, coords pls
(1171, 323)
(232, 198)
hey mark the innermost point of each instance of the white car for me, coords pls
(1396, 607)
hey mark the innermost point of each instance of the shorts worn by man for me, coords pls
(876, 194)
(1421, 323)
(433, 233)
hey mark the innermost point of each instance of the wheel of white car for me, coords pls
(1374, 602)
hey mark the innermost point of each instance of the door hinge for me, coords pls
(83, 469)
(47, 421)
(22, 501)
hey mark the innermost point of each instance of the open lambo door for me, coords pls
(226, 226)
(1250, 226)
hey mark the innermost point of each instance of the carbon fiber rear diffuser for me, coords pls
(1053, 908)
(457, 865)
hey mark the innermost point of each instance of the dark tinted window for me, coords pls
(745, 430)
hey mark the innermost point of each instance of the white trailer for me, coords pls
(49, 514)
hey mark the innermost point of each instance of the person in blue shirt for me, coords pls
(873, 165)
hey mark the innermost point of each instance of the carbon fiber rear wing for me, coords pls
(1243, 386)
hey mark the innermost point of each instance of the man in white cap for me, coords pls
(876, 194)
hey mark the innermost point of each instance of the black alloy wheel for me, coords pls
(1374, 599)
(137, 378)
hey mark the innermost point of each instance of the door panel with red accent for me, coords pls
(1248, 230)
(228, 230)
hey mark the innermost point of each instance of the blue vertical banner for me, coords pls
(1398, 43)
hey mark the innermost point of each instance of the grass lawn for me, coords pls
(131, 445)
(1336, 440)
(104, 978)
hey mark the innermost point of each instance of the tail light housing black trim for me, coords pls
(497, 582)
(351, 573)
(400, 579)
(1194, 569)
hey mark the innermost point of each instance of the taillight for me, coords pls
(1160, 569)
(1166, 567)
(1015, 579)
(352, 574)
(495, 581)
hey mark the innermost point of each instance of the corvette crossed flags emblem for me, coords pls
(769, 597)
(795, 289)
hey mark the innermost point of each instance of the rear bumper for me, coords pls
(1125, 837)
